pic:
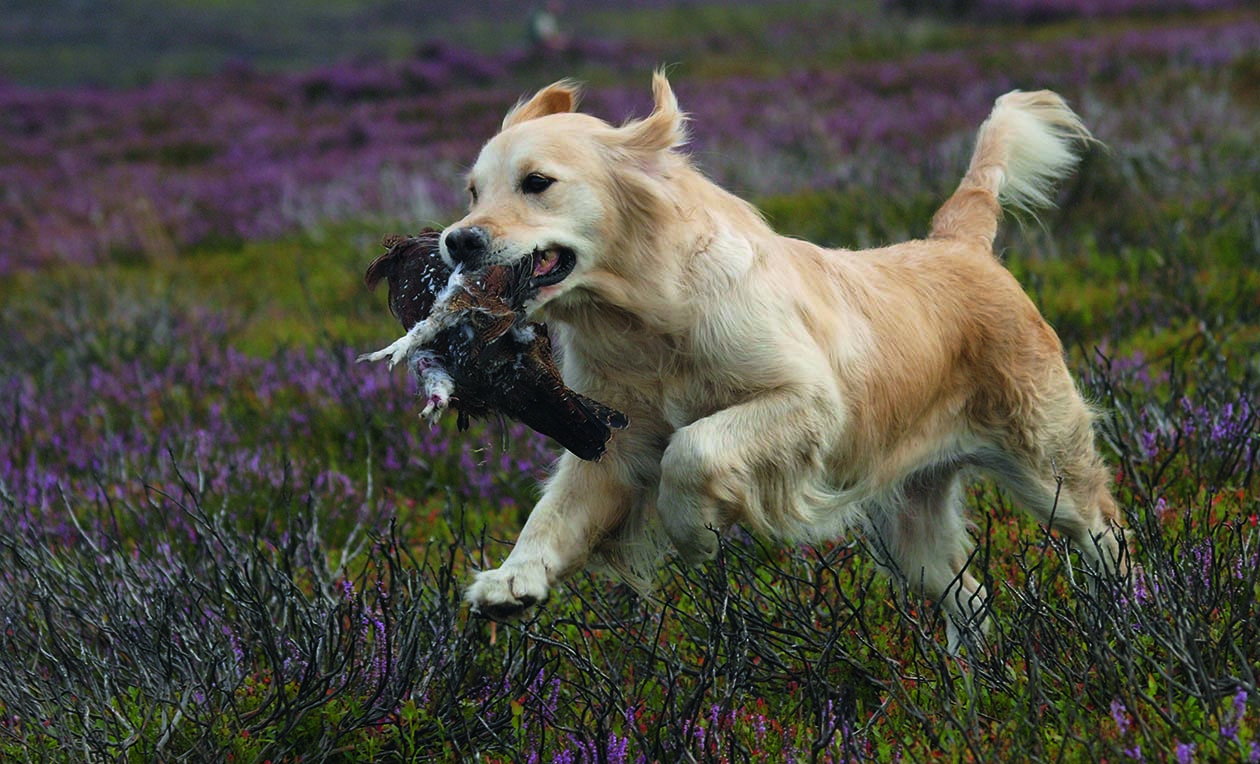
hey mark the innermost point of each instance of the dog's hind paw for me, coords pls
(508, 592)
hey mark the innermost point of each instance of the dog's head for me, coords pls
(565, 191)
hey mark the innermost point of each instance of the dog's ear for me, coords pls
(665, 128)
(556, 98)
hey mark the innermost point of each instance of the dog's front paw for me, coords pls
(695, 541)
(508, 592)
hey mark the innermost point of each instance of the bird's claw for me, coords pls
(396, 351)
(434, 406)
(438, 388)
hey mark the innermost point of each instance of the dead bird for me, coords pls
(471, 348)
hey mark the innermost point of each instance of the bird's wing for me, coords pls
(414, 268)
(387, 264)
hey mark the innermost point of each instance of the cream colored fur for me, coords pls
(796, 390)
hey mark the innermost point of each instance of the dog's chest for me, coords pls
(677, 375)
(692, 388)
(657, 373)
(683, 404)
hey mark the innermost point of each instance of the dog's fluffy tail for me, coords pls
(1029, 142)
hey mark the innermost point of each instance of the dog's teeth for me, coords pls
(545, 261)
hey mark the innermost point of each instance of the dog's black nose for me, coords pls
(466, 246)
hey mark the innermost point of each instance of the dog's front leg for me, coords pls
(581, 504)
(750, 463)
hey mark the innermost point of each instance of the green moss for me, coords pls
(300, 291)
(851, 218)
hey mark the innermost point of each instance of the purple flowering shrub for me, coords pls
(138, 175)
(194, 541)
(121, 393)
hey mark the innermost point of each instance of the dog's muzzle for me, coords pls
(469, 248)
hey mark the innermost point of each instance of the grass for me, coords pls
(222, 540)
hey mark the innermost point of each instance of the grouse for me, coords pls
(470, 347)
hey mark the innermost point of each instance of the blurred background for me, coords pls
(135, 42)
(137, 129)
(57, 43)
(74, 42)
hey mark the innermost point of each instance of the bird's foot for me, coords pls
(411, 343)
(438, 387)
(395, 352)
(434, 407)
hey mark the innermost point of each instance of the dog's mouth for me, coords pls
(551, 266)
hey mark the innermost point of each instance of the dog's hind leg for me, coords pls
(921, 534)
(1055, 472)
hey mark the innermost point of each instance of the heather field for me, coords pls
(223, 540)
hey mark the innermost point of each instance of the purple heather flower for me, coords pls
(380, 665)
(1185, 753)
(617, 748)
(1229, 729)
(1202, 555)
(715, 715)
(282, 152)
(1121, 715)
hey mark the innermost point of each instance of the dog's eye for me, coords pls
(472, 193)
(536, 183)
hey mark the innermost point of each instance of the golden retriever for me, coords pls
(796, 390)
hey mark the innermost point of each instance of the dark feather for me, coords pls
(415, 274)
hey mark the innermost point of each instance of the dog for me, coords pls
(801, 392)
